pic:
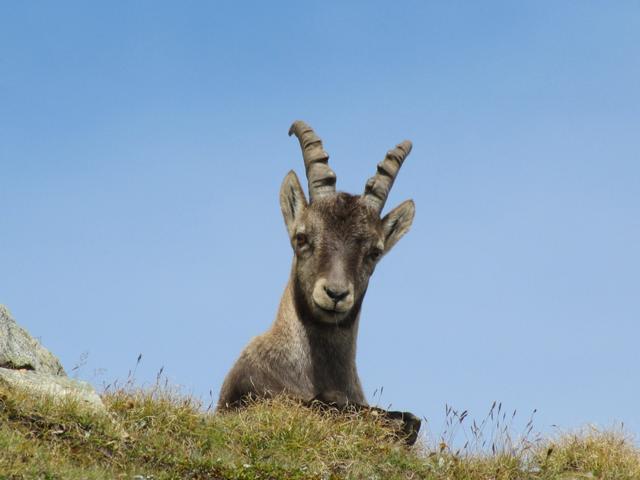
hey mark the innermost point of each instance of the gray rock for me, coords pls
(54, 385)
(18, 350)
(25, 364)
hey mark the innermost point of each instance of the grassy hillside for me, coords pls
(155, 434)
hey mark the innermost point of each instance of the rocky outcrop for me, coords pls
(20, 351)
(26, 364)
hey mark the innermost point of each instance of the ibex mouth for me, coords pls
(334, 310)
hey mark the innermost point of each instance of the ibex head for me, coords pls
(338, 238)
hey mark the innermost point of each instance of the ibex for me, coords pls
(337, 238)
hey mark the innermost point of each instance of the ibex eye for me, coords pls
(301, 240)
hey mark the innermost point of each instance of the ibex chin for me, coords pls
(337, 238)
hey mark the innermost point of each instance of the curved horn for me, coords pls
(377, 188)
(322, 180)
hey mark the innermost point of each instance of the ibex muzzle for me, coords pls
(337, 240)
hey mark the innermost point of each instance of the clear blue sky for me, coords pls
(142, 146)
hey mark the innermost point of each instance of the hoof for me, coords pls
(410, 425)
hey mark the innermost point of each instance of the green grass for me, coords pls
(158, 434)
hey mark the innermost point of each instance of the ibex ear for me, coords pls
(292, 201)
(396, 223)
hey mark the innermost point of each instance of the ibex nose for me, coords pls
(336, 294)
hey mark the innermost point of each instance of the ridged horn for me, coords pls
(322, 180)
(377, 188)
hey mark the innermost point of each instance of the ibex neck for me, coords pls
(330, 350)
